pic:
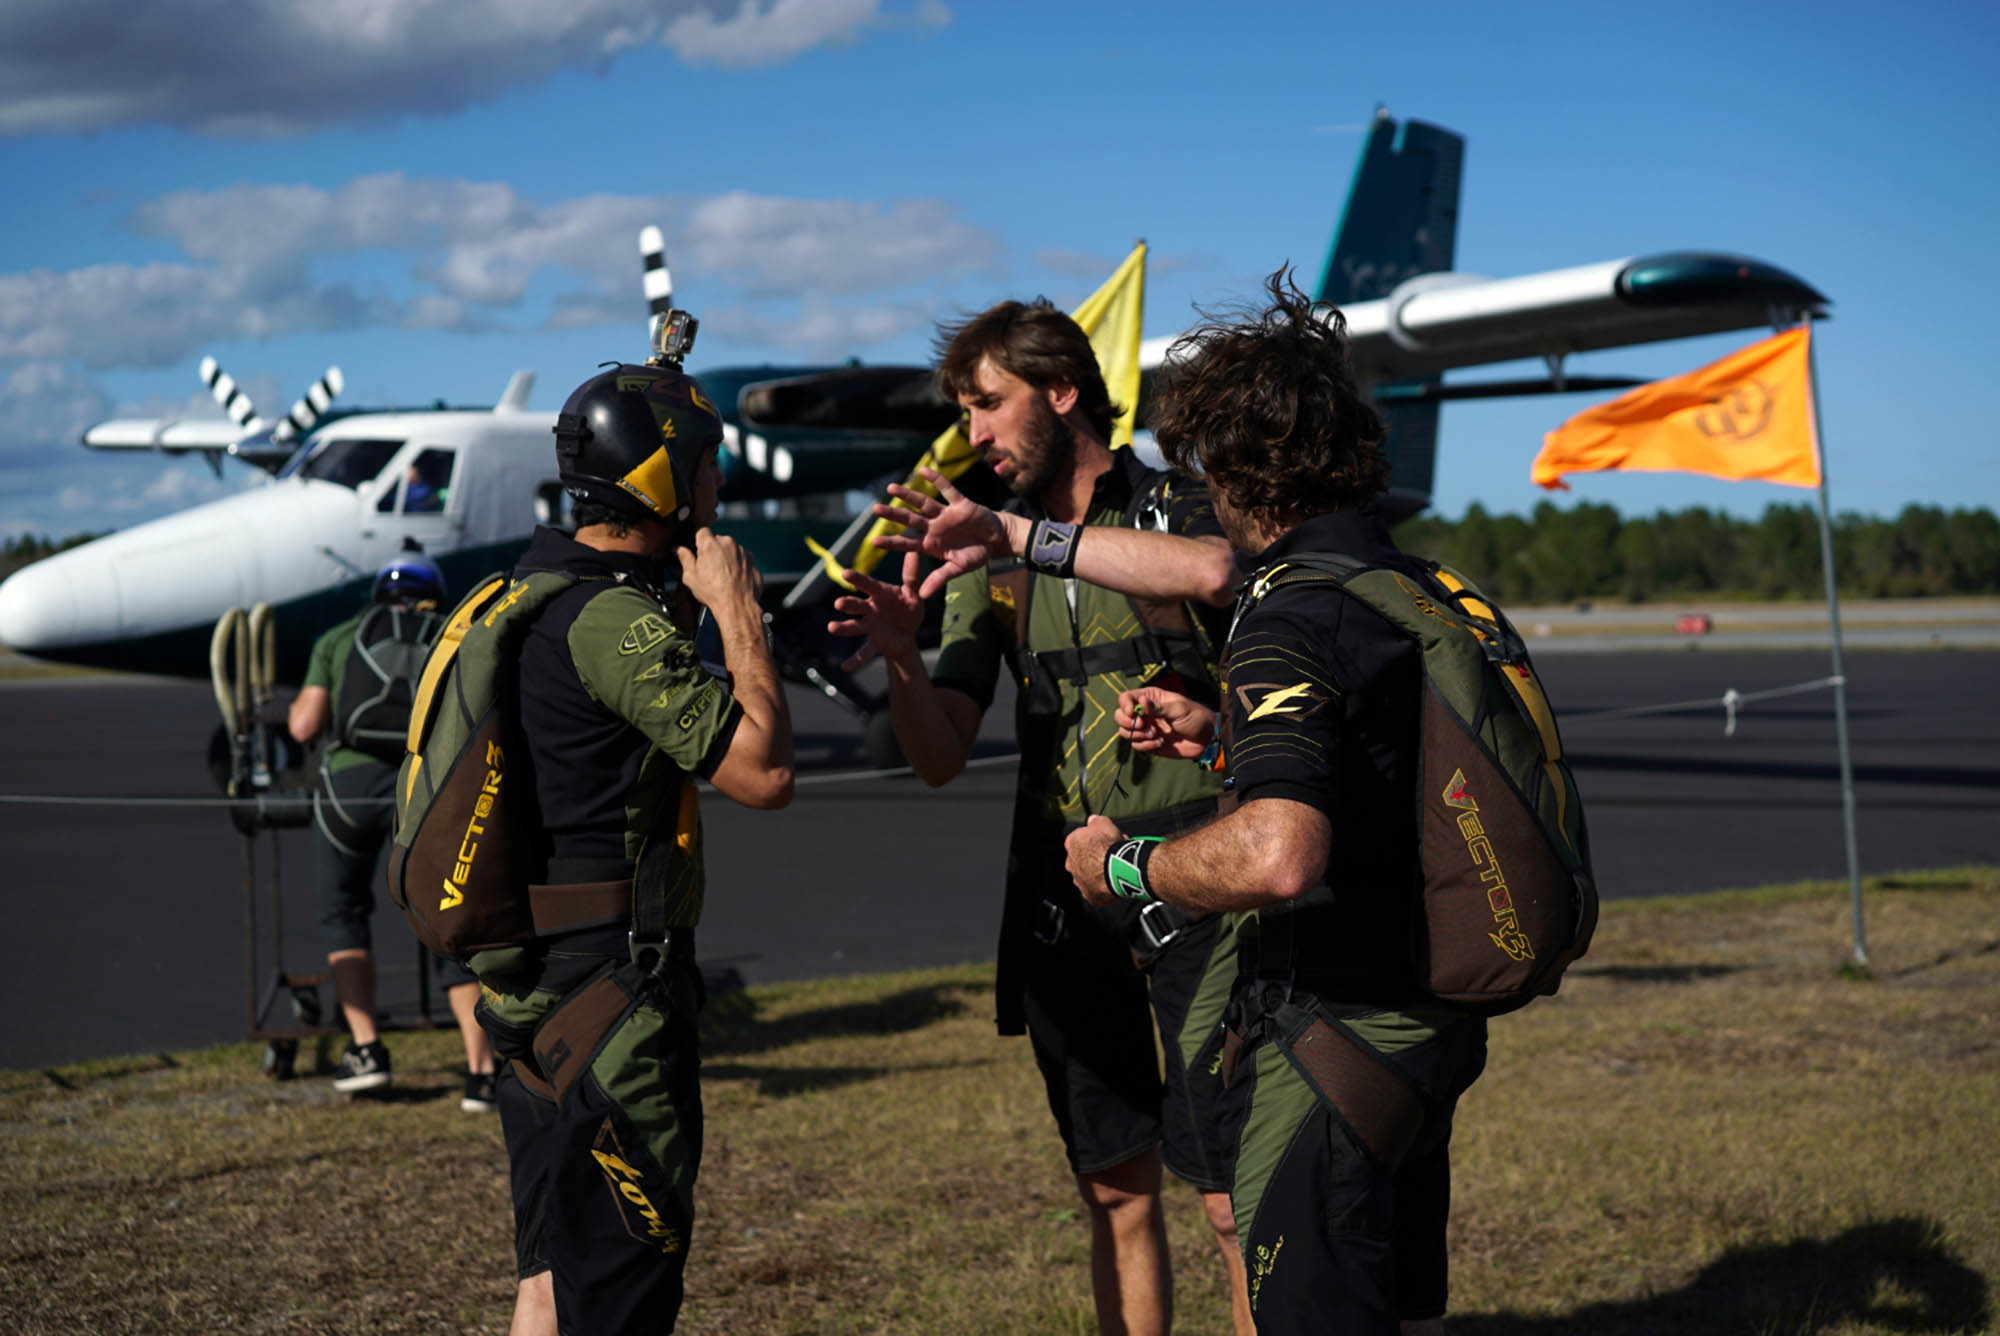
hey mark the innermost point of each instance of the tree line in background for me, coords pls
(1590, 551)
(18, 552)
(1558, 555)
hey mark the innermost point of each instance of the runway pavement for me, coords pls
(126, 931)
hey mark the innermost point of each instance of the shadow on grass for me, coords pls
(1891, 1275)
(777, 1082)
(730, 1023)
(404, 1094)
(1655, 973)
(1943, 958)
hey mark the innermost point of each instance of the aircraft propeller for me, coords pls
(229, 396)
(311, 405)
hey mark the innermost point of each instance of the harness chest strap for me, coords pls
(1170, 637)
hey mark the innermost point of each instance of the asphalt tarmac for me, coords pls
(126, 921)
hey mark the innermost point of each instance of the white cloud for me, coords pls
(820, 329)
(464, 253)
(273, 67)
(132, 496)
(769, 246)
(45, 404)
(50, 484)
(759, 34)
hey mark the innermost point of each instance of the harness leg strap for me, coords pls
(1385, 1112)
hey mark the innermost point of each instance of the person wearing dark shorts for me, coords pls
(1102, 575)
(619, 716)
(1342, 1072)
(354, 814)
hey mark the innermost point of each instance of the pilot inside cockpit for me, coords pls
(426, 484)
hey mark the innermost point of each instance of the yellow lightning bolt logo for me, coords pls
(1285, 700)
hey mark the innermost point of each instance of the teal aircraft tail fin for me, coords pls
(1401, 220)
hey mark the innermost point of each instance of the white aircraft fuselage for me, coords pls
(307, 542)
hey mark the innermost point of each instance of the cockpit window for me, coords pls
(425, 487)
(347, 462)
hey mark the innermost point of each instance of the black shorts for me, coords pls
(1191, 981)
(604, 1145)
(354, 814)
(1091, 1027)
(1090, 1012)
(1332, 1239)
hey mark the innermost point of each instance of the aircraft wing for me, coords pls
(171, 435)
(1440, 321)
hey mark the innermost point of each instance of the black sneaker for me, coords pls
(362, 1068)
(478, 1096)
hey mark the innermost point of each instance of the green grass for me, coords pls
(1709, 1130)
(34, 670)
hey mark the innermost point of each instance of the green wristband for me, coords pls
(1125, 866)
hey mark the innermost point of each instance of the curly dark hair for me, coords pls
(1032, 340)
(584, 514)
(1265, 403)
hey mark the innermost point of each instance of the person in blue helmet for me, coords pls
(356, 697)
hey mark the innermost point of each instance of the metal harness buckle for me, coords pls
(1050, 923)
(637, 949)
(1155, 937)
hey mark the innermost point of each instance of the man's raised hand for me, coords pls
(717, 569)
(950, 528)
(887, 614)
(1164, 722)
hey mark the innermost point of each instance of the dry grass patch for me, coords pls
(1710, 1130)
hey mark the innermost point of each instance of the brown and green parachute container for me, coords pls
(464, 806)
(1508, 899)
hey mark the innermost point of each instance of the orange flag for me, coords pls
(1747, 416)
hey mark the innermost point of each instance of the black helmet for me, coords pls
(410, 578)
(630, 438)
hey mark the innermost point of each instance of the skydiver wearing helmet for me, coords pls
(619, 715)
(357, 692)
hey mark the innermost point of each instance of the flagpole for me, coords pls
(1847, 805)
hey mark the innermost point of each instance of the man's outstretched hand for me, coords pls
(887, 614)
(950, 528)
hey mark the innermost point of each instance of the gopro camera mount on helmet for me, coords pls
(672, 337)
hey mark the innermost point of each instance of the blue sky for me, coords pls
(434, 193)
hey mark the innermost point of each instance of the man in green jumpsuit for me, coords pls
(620, 716)
(1027, 590)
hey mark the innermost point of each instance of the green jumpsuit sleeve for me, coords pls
(641, 667)
(970, 642)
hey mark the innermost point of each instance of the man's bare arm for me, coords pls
(962, 535)
(935, 728)
(1264, 853)
(309, 713)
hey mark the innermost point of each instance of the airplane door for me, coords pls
(420, 500)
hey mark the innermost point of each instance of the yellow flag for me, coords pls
(1748, 416)
(1111, 317)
